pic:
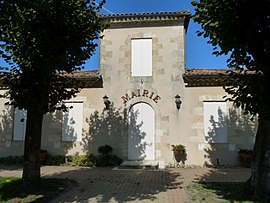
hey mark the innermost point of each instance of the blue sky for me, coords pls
(199, 53)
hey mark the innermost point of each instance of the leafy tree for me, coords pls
(241, 28)
(43, 41)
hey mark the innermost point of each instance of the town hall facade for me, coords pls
(152, 101)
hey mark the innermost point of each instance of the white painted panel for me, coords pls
(232, 147)
(215, 122)
(146, 57)
(135, 58)
(201, 147)
(141, 142)
(72, 122)
(19, 127)
(141, 59)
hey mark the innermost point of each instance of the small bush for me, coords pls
(108, 160)
(179, 147)
(88, 160)
(115, 160)
(92, 158)
(105, 150)
(11, 160)
(82, 160)
(245, 151)
(58, 160)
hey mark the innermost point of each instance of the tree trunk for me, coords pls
(260, 170)
(31, 166)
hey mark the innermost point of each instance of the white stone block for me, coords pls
(197, 125)
(159, 132)
(161, 164)
(57, 145)
(8, 144)
(201, 147)
(197, 111)
(232, 147)
(158, 153)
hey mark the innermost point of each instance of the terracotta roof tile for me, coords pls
(90, 78)
(205, 72)
(85, 74)
(205, 77)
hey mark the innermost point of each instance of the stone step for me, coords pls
(147, 165)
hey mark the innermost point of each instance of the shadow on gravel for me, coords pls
(105, 184)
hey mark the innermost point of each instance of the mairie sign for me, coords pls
(141, 93)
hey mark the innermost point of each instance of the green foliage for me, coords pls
(92, 159)
(108, 160)
(209, 192)
(245, 151)
(59, 160)
(12, 187)
(11, 160)
(241, 28)
(12, 190)
(44, 41)
(82, 160)
(105, 150)
(87, 160)
(7, 184)
(56, 160)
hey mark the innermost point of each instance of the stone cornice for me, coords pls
(147, 19)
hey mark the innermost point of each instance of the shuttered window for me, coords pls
(215, 122)
(19, 125)
(72, 122)
(141, 59)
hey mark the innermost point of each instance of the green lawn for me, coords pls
(11, 190)
(218, 192)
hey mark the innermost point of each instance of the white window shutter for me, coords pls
(215, 122)
(19, 126)
(135, 62)
(141, 59)
(72, 122)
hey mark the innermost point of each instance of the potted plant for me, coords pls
(43, 155)
(245, 157)
(178, 149)
(179, 152)
(105, 150)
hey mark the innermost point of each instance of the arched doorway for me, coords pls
(141, 138)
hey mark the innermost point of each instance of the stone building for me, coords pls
(142, 72)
